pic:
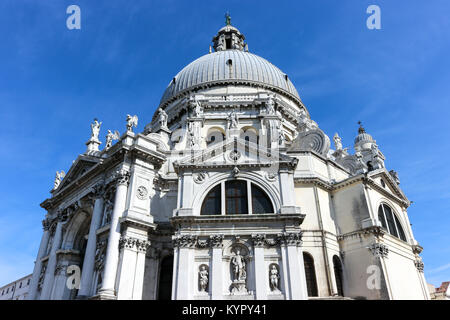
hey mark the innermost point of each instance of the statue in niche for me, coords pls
(274, 278)
(58, 178)
(233, 119)
(110, 137)
(203, 278)
(107, 212)
(100, 256)
(95, 128)
(42, 276)
(132, 121)
(239, 265)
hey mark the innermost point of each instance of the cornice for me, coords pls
(319, 182)
(206, 85)
(321, 157)
(295, 218)
(129, 221)
(147, 154)
(376, 231)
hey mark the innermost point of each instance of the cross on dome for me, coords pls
(227, 19)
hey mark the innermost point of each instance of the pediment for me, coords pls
(79, 167)
(390, 185)
(236, 152)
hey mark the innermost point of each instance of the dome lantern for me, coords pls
(229, 37)
(363, 140)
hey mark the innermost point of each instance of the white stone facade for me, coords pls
(230, 192)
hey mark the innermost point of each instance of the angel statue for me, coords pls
(58, 178)
(337, 142)
(110, 137)
(95, 128)
(238, 262)
(132, 121)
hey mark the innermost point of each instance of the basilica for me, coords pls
(231, 191)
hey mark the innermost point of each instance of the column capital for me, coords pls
(46, 223)
(127, 242)
(379, 250)
(61, 269)
(419, 265)
(215, 240)
(290, 238)
(62, 216)
(132, 243)
(259, 240)
(142, 245)
(99, 190)
(122, 177)
(184, 241)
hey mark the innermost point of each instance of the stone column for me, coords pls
(139, 275)
(184, 288)
(59, 287)
(38, 263)
(107, 289)
(131, 269)
(261, 274)
(296, 272)
(51, 266)
(89, 256)
(285, 266)
(176, 249)
(216, 274)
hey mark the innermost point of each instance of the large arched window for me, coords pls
(211, 204)
(310, 274)
(236, 197)
(338, 275)
(390, 222)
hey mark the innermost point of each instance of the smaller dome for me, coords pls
(363, 140)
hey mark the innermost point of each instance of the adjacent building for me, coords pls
(17, 290)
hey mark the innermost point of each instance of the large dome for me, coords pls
(229, 66)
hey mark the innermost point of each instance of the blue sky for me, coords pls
(54, 81)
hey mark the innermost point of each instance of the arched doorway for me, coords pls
(165, 279)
